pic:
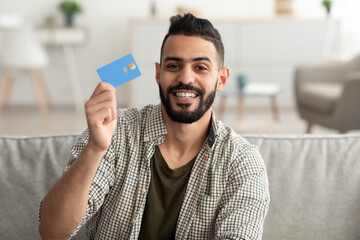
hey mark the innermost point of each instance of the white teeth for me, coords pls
(185, 94)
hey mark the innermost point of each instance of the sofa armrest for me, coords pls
(353, 76)
(349, 100)
(351, 91)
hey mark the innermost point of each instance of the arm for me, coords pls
(245, 201)
(64, 207)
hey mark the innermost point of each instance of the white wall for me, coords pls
(107, 23)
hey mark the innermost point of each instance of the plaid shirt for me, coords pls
(227, 196)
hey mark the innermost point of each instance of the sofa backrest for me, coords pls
(314, 184)
(28, 169)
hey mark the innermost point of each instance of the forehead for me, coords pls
(188, 47)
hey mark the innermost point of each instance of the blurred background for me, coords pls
(48, 65)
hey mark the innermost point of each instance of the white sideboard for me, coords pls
(265, 50)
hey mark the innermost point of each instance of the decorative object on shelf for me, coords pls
(70, 8)
(327, 6)
(183, 10)
(153, 8)
(284, 7)
(50, 21)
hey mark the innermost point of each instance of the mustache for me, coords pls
(190, 87)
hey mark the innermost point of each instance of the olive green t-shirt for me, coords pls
(164, 199)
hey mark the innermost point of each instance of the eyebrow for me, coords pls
(197, 59)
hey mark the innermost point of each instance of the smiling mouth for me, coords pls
(185, 95)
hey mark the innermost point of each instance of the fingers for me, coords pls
(101, 107)
(101, 87)
(101, 117)
(101, 97)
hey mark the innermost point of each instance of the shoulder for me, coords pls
(239, 152)
(227, 138)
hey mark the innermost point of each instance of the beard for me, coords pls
(185, 115)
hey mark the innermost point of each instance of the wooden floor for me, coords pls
(27, 121)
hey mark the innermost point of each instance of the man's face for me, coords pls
(188, 77)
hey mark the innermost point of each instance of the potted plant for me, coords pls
(327, 6)
(69, 9)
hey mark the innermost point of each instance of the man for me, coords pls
(170, 171)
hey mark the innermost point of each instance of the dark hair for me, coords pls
(189, 25)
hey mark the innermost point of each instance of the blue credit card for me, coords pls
(119, 71)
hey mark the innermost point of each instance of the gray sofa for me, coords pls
(314, 184)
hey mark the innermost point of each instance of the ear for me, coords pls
(157, 74)
(224, 74)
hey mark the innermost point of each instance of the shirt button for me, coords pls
(143, 190)
(159, 138)
(146, 138)
(133, 220)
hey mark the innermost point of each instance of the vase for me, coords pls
(284, 7)
(241, 81)
(69, 19)
(327, 7)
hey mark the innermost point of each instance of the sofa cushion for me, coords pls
(320, 97)
(28, 169)
(314, 186)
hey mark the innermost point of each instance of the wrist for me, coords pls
(94, 150)
(89, 158)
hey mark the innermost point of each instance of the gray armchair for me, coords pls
(329, 94)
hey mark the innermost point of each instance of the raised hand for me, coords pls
(100, 112)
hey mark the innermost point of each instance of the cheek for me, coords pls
(163, 87)
(165, 78)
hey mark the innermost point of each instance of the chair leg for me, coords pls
(39, 92)
(5, 87)
(221, 110)
(274, 108)
(309, 127)
(240, 107)
(45, 89)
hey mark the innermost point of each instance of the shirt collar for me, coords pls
(155, 127)
(212, 130)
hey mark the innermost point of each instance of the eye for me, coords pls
(201, 68)
(173, 66)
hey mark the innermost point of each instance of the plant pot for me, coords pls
(327, 6)
(69, 19)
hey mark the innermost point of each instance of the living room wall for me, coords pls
(107, 24)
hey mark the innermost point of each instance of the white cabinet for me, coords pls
(264, 50)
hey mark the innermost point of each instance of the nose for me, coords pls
(186, 75)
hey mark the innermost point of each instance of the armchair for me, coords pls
(329, 94)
